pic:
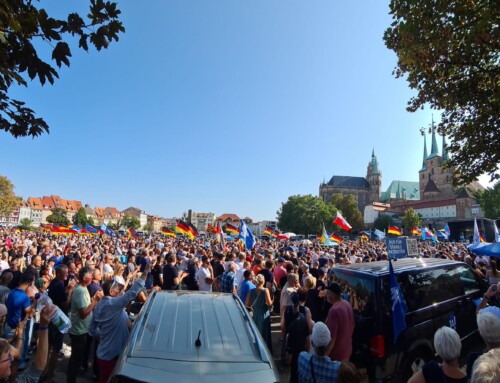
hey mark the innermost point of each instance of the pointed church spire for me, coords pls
(374, 163)
(425, 153)
(434, 147)
(445, 153)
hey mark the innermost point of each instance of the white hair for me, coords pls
(486, 368)
(447, 344)
(489, 327)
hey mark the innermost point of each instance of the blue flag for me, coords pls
(379, 234)
(90, 229)
(110, 232)
(103, 227)
(246, 236)
(398, 304)
(76, 228)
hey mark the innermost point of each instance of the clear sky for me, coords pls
(221, 106)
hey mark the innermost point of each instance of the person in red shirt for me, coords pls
(340, 322)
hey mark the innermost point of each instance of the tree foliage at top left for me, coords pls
(24, 27)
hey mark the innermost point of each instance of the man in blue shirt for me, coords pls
(110, 322)
(247, 284)
(228, 280)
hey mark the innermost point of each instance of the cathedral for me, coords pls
(433, 196)
(365, 189)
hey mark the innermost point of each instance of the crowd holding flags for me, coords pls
(192, 231)
(131, 232)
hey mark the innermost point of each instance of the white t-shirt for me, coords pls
(201, 275)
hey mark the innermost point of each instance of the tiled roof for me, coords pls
(113, 211)
(99, 211)
(35, 203)
(48, 202)
(231, 217)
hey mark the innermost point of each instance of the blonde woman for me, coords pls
(259, 300)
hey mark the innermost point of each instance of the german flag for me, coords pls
(182, 227)
(268, 231)
(394, 230)
(318, 237)
(336, 238)
(169, 233)
(192, 231)
(481, 239)
(232, 229)
(131, 232)
(416, 231)
(365, 237)
(60, 229)
(275, 233)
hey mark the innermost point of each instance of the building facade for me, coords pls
(365, 189)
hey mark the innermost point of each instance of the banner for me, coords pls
(401, 247)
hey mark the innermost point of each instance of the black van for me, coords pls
(438, 293)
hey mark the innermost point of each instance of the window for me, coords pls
(359, 291)
(424, 288)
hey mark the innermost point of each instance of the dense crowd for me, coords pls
(100, 282)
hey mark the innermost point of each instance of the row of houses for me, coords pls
(38, 209)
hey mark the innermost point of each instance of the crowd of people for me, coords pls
(99, 282)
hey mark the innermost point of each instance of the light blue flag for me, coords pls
(327, 241)
(247, 236)
(398, 303)
(103, 227)
(379, 234)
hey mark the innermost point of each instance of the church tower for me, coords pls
(374, 178)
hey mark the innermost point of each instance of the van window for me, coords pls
(469, 279)
(424, 288)
(359, 291)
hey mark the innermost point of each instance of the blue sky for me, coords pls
(221, 106)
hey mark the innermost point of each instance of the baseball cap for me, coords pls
(320, 335)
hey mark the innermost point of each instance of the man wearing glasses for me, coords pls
(111, 324)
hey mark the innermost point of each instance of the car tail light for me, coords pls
(377, 346)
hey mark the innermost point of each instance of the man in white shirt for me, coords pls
(204, 275)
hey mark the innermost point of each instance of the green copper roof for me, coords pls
(402, 189)
(434, 147)
(425, 155)
(374, 163)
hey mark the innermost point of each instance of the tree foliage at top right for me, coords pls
(449, 52)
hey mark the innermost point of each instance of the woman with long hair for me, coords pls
(259, 301)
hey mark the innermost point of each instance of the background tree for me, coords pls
(489, 200)
(383, 222)
(305, 214)
(25, 224)
(58, 216)
(348, 207)
(448, 52)
(8, 200)
(81, 219)
(148, 227)
(410, 219)
(25, 26)
(131, 221)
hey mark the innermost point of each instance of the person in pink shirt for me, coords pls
(340, 322)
